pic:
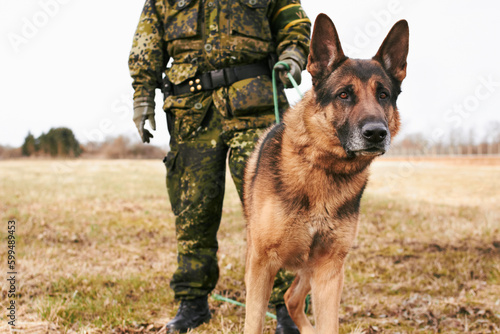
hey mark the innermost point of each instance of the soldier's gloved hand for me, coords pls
(295, 71)
(144, 109)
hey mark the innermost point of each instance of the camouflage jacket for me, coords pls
(205, 35)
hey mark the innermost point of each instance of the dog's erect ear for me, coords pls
(394, 50)
(325, 49)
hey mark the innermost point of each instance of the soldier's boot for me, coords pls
(191, 314)
(285, 323)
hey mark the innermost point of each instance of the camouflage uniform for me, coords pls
(207, 126)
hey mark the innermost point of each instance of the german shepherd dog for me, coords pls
(303, 183)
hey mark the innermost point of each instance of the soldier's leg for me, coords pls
(241, 146)
(196, 183)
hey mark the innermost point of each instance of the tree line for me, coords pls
(58, 142)
(62, 143)
(456, 142)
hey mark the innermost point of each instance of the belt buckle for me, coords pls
(218, 78)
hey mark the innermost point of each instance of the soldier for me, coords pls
(218, 100)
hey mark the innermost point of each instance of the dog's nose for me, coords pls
(374, 132)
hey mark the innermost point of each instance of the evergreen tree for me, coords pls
(29, 146)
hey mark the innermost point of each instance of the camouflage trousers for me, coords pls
(196, 174)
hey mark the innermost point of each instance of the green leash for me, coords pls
(275, 88)
(227, 300)
(270, 315)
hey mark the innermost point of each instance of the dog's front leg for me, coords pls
(259, 279)
(328, 281)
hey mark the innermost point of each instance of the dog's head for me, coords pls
(358, 97)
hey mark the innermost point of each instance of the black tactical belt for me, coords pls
(221, 78)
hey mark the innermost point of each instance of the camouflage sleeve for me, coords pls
(148, 56)
(292, 29)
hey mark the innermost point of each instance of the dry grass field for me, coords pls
(96, 249)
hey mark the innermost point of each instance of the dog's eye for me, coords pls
(383, 96)
(343, 95)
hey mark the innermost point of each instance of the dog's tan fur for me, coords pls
(304, 182)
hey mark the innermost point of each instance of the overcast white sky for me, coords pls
(64, 63)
